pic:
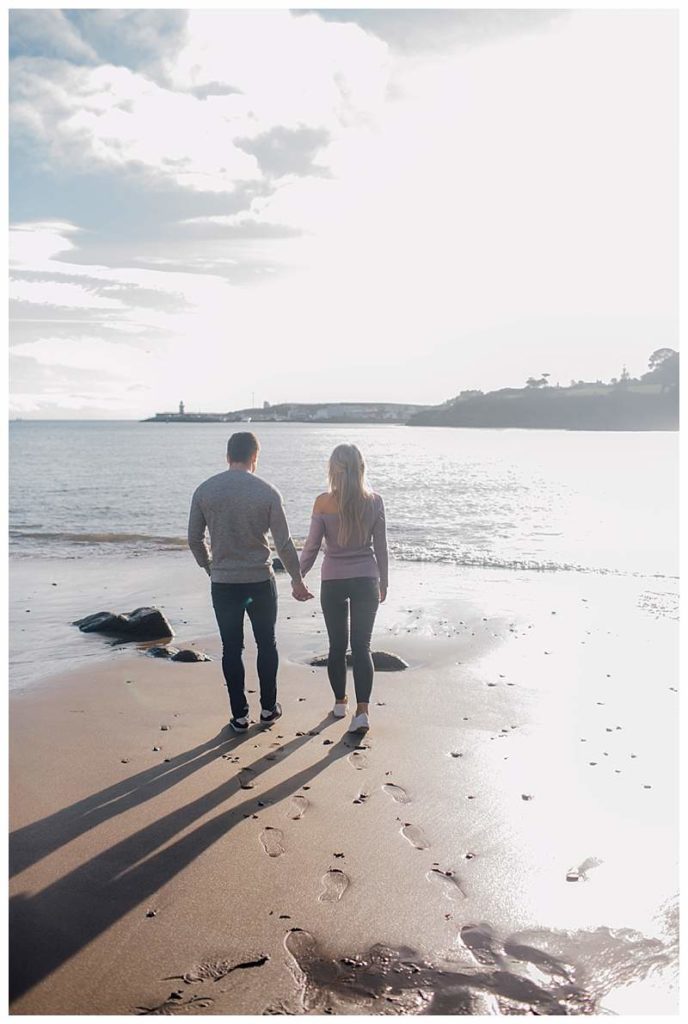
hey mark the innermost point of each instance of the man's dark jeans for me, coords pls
(259, 601)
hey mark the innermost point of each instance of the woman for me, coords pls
(351, 520)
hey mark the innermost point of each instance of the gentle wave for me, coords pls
(401, 551)
(483, 560)
(101, 538)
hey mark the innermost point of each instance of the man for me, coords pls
(239, 508)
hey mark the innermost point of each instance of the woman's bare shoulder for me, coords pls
(325, 503)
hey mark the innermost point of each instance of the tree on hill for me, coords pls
(664, 369)
(659, 356)
(538, 382)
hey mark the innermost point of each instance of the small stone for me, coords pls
(164, 728)
(526, 796)
(151, 913)
(156, 750)
(187, 655)
(326, 743)
(572, 876)
(125, 760)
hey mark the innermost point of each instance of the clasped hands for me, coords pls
(300, 592)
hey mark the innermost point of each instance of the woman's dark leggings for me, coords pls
(361, 594)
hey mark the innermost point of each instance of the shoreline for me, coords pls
(471, 799)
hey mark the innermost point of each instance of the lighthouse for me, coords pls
(181, 408)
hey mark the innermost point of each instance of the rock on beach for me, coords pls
(141, 624)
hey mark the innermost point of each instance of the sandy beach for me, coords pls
(502, 841)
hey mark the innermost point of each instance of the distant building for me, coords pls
(181, 408)
(266, 405)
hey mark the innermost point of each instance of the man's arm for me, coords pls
(196, 534)
(283, 542)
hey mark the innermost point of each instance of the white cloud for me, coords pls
(60, 293)
(114, 118)
(291, 70)
(32, 246)
(294, 72)
(49, 31)
(87, 353)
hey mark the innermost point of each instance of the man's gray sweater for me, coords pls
(239, 508)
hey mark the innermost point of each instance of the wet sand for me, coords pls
(502, 841)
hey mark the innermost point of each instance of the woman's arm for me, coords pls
(380, 548)
(311, 548)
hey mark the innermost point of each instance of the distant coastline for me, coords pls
(299, 412)
(650, 402)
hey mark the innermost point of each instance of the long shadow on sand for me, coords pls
(51, 926)
(32, 843)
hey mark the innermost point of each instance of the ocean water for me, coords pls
(511, 499)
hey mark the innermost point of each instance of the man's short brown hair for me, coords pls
(242, 447)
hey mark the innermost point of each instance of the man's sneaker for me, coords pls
(239, 724)
(359, 723)
(266, 717)
(339, 710)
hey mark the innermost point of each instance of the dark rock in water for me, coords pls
(382, 661)
(141, 624)
(277, 565)
(162, 652)
(187, 655)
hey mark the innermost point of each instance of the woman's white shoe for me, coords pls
(339, 710)
(359, 723)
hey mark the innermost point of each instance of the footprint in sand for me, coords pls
(415, 836)
(297, 807)
(271, 839)
(246, 778)
(302, 946)
(358, 760)
(447, 883)
(336, 883)
(397, 793)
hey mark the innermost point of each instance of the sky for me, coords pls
(224, 206)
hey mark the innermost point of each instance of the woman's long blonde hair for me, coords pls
(347, 475)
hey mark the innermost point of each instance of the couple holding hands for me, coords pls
(238, 509)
